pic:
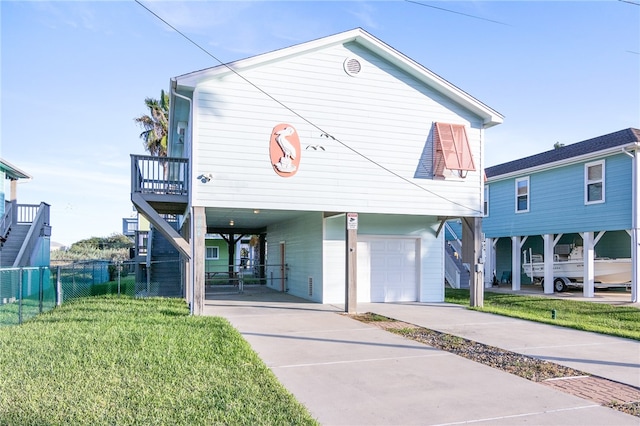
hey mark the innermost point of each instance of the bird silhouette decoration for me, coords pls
(285, 164)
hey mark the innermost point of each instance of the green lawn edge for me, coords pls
(108, 360)
(620, 321)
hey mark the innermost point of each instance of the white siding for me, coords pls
(382, 114)
(303, 255)
(429, 254)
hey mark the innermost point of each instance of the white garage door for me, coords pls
(392, 270)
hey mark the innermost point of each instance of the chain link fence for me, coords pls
(25, 293)
(29, 291)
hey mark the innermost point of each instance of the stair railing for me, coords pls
(39, 228)
(8, 219)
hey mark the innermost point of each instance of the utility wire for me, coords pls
(458, 13)
(323, 132)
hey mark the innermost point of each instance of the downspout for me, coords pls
(191, 222)
(635, 222)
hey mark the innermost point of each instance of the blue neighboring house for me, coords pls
(584, 194)
(25, 229)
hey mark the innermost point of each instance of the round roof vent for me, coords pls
(352, 66)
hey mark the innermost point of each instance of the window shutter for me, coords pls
(452, 148)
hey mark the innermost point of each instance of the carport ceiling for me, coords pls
(246, 218)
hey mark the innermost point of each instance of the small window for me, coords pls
(594, 182)
(486, 201)
(212, 253)
(522, 195)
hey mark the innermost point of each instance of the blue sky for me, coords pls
(75, 74)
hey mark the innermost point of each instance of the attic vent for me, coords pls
(352, 66)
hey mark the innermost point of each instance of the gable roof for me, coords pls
(490, 117)
(619, 139)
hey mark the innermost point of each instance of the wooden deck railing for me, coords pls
(159, 175)
(38, 217)
(22, 214)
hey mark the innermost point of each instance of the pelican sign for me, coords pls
(284, 150)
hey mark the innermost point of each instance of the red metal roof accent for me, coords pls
(453, 145)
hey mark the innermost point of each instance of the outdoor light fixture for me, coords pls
(231, 223)
(256, 211)
(205, 178)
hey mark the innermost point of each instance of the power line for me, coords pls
(457, 13)
(323, 132)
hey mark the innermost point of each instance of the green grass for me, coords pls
(117, 360)
(621, 321)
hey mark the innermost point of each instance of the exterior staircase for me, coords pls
(456, 273)
(11, 247)
(165, 268)
(463, 275)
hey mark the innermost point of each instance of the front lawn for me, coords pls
(118, 360)
(622, 321)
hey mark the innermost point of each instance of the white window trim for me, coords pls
(217, 252)
(587, 182)
(528, 194)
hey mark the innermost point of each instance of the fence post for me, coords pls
(20, 296)
(118, 263)
(40, 289)
(58, 287)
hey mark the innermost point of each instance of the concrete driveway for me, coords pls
(350, 373)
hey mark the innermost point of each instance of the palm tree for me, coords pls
(155, 125)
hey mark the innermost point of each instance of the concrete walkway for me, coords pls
(350, 373)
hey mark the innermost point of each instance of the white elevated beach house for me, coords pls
(304, 146)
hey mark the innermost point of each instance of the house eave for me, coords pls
(635, 146)
(12, 172)
(489, 116)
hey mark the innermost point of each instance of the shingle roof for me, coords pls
(600, 143)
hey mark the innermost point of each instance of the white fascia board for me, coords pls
(578, 159)
(192, 79)
(12, 172)
(490, 117)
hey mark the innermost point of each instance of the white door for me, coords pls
(392, 270)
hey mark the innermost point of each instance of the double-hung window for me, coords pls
(594, 182)
(522, 195)
(212, 253)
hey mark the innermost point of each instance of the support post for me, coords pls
(199, 223)
(548, 263)
(20, 294)
(351, 263)
(472, 254)
(40, 288)
(589, 272)
(262, 266)
(515, 263)
(489, 262)
(635, 231)
(58, 287)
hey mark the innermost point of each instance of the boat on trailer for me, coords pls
(568, 268)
